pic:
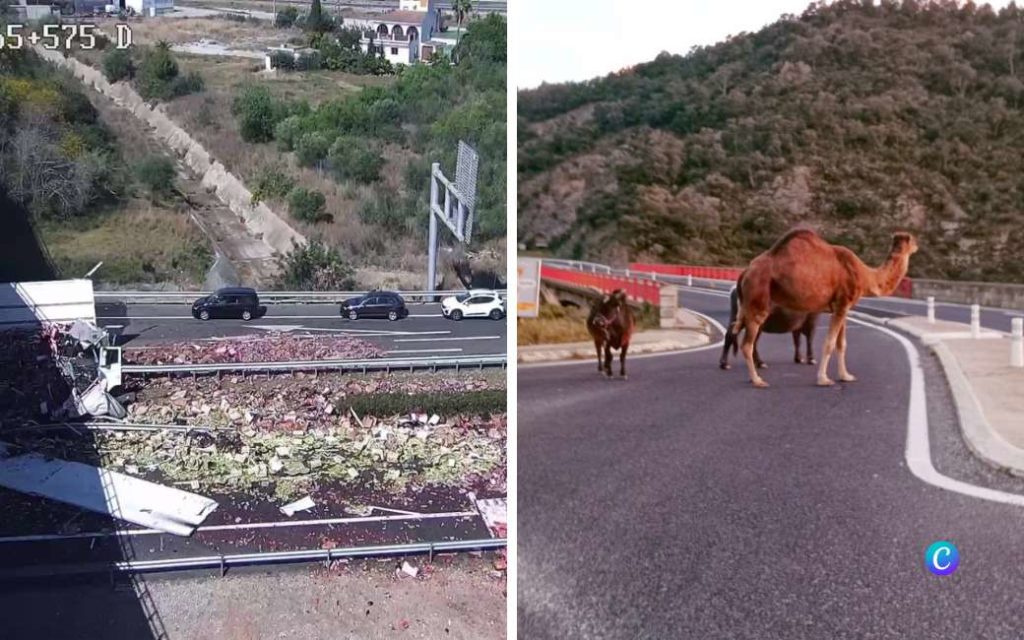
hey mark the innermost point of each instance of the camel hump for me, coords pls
(801, 233)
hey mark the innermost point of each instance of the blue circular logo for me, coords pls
(942, 558)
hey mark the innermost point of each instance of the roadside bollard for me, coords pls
(689, 280)
(931, 309)
(1017, 342)
(975, 321)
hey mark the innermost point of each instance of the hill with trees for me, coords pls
(858, 118)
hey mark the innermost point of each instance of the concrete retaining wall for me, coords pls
(988, 294)
(259, 220)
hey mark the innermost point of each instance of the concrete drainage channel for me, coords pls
(224, 562)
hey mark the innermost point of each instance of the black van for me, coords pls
(231, 302)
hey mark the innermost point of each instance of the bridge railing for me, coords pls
(637, 288)
(905, 289)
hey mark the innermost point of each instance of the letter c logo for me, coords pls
(942, 558)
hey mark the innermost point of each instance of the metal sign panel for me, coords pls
(528, 288)
(465, 174)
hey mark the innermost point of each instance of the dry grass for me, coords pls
(137, 241)
(208, 117)
(554, 325)
(238, 35)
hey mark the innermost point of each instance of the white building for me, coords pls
(404, 35)
(149, 7)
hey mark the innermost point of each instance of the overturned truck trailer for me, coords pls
(57, 363)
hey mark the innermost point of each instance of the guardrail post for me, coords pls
(975, 321)
(689, 279)
(1017, 343)
(931, 309)
(668, 302)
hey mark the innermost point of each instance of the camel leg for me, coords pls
(761, 364)
(834, 328)
(622, 361)
(844, 375)
(607, 360)
(597, 346)
(753, 328)
(810, 350)
(796, 348)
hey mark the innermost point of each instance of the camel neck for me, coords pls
(885, 278)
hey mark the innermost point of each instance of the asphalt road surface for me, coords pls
(424, 333)
(684, 503)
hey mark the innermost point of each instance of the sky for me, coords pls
(572, 40)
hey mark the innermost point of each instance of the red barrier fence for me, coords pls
(711, 273)
(905, 288)
(636, 288)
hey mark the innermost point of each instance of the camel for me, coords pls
(780, 320)
(805, 274)
(611, 324)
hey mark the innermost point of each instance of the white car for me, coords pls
(477, 303)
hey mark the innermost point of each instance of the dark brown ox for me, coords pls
(611, 324)
(780, 320)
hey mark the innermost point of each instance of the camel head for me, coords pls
(903, 244)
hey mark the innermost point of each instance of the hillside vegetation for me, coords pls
(857, 118)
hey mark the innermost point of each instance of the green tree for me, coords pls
(308, 205)
(156, 173)
(462, 8)
(257, 113)
(352, 159)
(286, 17)
(117, 65)
(316, 266)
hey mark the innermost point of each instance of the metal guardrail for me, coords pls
(224, 562)
(270, 297)
(361, 366)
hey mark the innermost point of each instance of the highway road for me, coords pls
(683, 503)
(424, 333)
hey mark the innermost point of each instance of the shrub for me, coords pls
(117, 65)
(352, 159)
(184, 85)
(156, 173)
(316, 267)
(271, 182)
(287, 132)
(282, 60)
(311, 148)
(307, 205)
(157, 71)
(257, 113)
(286, 17)
(483, 402)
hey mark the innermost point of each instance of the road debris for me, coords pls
(299, 505)
(385, 456)
(272, 347)
(409, 570)
(59, 371)
(285, 404)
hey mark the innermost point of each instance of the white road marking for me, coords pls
(424, 351)
(918, 453)
(448, 339)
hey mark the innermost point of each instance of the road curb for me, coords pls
(979, 435)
